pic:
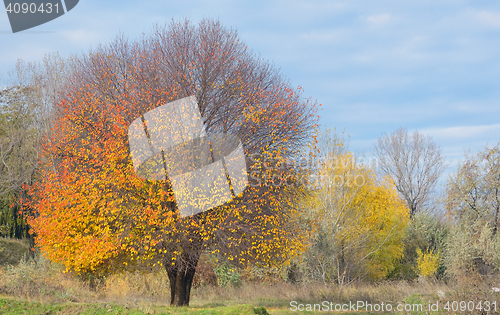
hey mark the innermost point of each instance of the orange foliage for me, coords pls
(96, 215)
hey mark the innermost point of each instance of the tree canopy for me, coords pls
(361, 219)
(414, 162)
(96, 215)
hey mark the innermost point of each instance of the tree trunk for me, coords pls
(181, 272)
(32, 243)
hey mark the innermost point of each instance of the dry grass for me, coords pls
(280, 294)
(136, 287)
(12, 250)
(45, 282)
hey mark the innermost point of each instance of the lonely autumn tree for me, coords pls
(95, 215)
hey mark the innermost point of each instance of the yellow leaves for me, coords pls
(427, 262)
(365, 218)
(94, 209)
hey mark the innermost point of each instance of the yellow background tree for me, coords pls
(361, 220)
(427, 262)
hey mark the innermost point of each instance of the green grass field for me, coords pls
(13, 306)
(42, 287)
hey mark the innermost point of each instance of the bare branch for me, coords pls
(414, 162)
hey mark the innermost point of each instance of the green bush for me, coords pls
(227, 274)
(427, 232)
(472, 200)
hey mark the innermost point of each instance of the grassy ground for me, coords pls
(9, 305)
(11, 250)
(273, 299)
(41, 287)
(13, 306)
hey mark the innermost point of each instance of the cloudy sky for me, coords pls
(374, 66)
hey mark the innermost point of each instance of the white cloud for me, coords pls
(375, 65)
(325, 36)
(464, 132)
(82, 37)
(379, 19)
(488, 18)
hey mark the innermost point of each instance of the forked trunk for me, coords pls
(181, 273)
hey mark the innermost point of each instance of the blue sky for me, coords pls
(374, 66)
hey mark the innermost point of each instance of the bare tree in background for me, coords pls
(30, 91)
(414, 162)
(25, 116)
